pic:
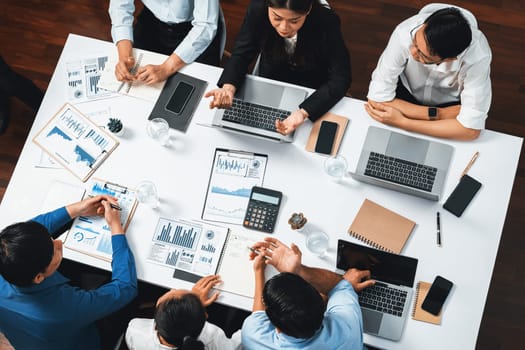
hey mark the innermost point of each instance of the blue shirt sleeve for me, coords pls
(53, 220)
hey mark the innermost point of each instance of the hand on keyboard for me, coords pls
(223, 97)
(292, 122)
(359, 279)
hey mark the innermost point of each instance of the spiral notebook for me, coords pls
(418, 313)
(380, 227)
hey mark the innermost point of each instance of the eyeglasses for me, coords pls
(424, 58)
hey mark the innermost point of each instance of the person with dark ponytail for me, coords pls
(180, 322)
(299, 42)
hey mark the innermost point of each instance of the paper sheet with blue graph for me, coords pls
(188, 245)
(91, 235)
(75, 142)
(233, 175)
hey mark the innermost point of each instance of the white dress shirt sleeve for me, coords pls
(121, 14)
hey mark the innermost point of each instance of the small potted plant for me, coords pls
(115, 126)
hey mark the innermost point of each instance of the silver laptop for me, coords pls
(256, 106)
(386, 305)
(403, 163)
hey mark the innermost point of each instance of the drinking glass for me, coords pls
(159, 129)
(335, 167)
(317, 242)
(147, 193)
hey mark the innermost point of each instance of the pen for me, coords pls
(469, 165)
(133, 70)
(114, 206)
(438, 222)
(258, 252)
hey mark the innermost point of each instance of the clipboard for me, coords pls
(233, 174)
(91, 235)
(341, 121)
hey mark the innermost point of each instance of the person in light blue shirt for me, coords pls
(289, 311)
(186, 30)
(39, 309)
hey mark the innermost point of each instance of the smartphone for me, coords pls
(325, 139)
(462, 195)
(437, 295)
(180, 97)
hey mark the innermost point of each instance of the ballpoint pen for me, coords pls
(258, 252)
(438, 222)
(114, 206)
(469, 165)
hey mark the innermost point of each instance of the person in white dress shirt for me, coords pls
(180, 322)
(185, 30)
(434, 75)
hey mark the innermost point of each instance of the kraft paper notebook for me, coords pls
(341, 121)
(418, 313)
(381, 227)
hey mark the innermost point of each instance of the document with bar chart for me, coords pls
(83, 76)
(75, 142)
(90, 234)
(191, 247)
(233, 175)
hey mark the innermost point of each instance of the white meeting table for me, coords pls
(181, 172)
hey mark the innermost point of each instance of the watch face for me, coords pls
(432, 112)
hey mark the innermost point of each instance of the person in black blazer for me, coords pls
(299, 42)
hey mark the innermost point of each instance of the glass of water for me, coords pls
(147, 193)
(336, 167)
(159, 129)
(317, 242)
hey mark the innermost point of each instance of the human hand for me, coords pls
(291, 123)
(223, 97)
(258, 256)
(282, 257)
(153, 73)
(112, 215)
(385, 114)
(90, 206)
(203, 286)
(126, 61)
(359, 279)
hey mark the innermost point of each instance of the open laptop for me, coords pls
(256, 106)
(403, 163)
(386, 305)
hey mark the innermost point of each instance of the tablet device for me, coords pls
(462, 195)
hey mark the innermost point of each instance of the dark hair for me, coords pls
(180, 321)
(447, 33)
(26, 249)
(299, 6)
(293, 305)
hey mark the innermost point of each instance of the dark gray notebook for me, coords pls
(178, 100)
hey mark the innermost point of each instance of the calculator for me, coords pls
(262, 210)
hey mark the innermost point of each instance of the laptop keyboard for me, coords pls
(383, 298)
(401, 171)
(254, 115)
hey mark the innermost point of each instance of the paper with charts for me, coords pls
(233, 175)
(188, 245)
(91, 234)
(83, 77)
(108, 80)
(75, 142)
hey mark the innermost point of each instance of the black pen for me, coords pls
(438, 222)
(114, 206)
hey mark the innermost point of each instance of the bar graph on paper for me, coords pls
(188, 245)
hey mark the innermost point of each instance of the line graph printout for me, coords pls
(75, 142)
(188, 245)
(233, 175)
(91, 235)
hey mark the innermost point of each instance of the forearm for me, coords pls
(322, 280)
(259, 286)
(447, 128)
(173, 64)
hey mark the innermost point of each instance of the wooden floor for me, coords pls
(32, 33)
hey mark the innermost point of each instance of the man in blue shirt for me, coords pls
(289, 311)
(185, 30)
(39, 309)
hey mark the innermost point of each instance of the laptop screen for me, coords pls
(386, 267)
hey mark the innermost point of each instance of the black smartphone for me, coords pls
(180, 97)
(325, 139)
(462, 195)
(437, 295)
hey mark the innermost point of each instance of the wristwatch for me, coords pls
(432, 113)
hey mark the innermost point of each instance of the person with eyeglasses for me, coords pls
(434, 75)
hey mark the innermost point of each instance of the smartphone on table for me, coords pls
(437, 294)
(326, 137)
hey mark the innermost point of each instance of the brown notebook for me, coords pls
(418, 313)
(381, 227)
(341, 121)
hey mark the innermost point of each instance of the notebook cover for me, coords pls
(314, 133)
(418, 313)
(381, 227)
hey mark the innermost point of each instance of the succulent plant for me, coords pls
(114, 125)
